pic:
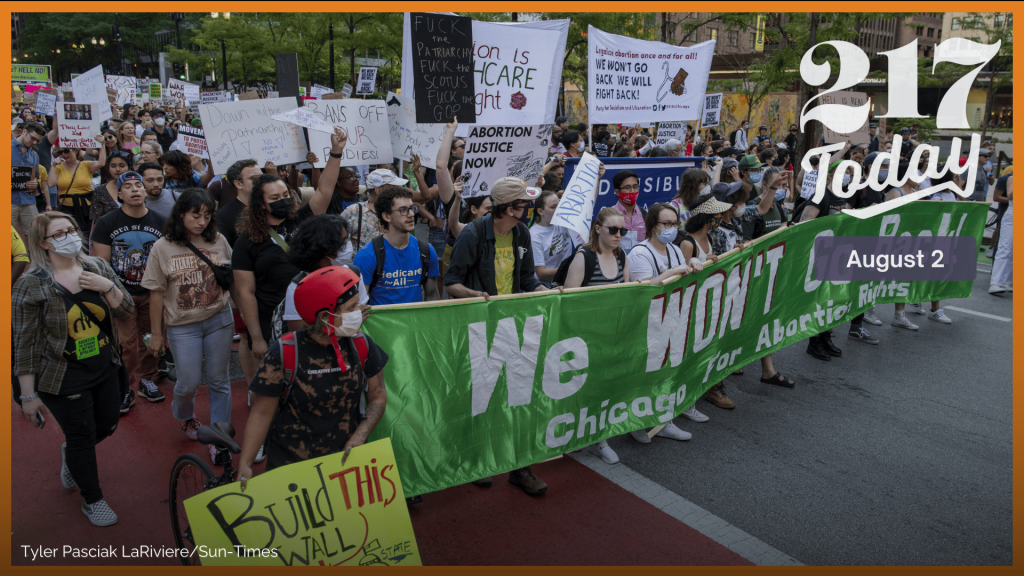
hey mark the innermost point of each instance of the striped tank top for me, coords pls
(599, 279)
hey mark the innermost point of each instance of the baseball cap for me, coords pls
(157, 111)
(749, 162)
(382, 176)
(729, 151)
(508, 190)
(721, 191)
(869, 160)
(126, 177)
(984, 152)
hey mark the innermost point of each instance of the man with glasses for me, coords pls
(396, 266)
(627, 188)
(493, 256)
(23, 154)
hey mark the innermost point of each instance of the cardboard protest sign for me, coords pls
(367, 80)
(346, 91)
(669, 131)
(303, 117)
(442, 61)
(45, 103)
(409, 138)
(334, 96)
(77, 124)
(175, 89)
(192, 140)
(212, 97)
(319, 91)
(124, 87)
(250, 95)
(849, 101)
(365, 122)
(712, 110)
(20, 177)
(632, 80)
(493, 152)
(154, 91)
(517, 71)
(576, 208)
(352, 515)
(239, 130)
(29, 98)
(90, 86)
(30, 73)
(16, 95)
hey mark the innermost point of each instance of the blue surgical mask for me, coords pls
(882, 175)
(667, 236)
(755, 177)
(780, 195)
(846, 180)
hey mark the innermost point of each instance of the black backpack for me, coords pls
(378, 251)
(589, 263)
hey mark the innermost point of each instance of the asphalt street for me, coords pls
(896, 454)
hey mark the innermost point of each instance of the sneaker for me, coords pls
(814, 349)
(940, 316)
(716, 395)
(672, 431)
(605, 451)
(128, 402)
(191, 428)
(219, 457)
(161, 366)
(696, 415)
(641, 436)
(996, 289)
(260, 456)
(900, 321)
(66, 479)
(149, 391)
(917, 309)
(525, 479)
(99, 513)
(861, 335)
(1008, 287)
(990, 252)
(483, 482)
(870, 317)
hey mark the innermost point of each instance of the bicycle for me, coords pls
(191, 476)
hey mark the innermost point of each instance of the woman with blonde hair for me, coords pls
(72, 175)
(65, 350)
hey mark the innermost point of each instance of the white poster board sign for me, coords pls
(45, 103)
(124, 86)
(576, 208)
(192, 140)
(408, 137)
(90, 86)
(175, 89)
(518, 71)
(493, 152)
(319, 91)
(712, 110)
(273, 94)
(367, 80)
(246, 129)
(303, 117)
(77, 124)
(213, 97)
(669, 131)
(346, 90)
(191, 93)
(365, 123)
(631, 81)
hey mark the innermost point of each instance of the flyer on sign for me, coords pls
(77, 126)
(367, 80)
(365, 123)
(191, 140)
(319, 512)
(631, 81)
(245, 129)
(493, 152)
(517, 67)
(408, 138)
(712, 110)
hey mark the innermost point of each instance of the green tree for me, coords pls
(1000, 69)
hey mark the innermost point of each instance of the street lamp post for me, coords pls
(224, 62)
(330, 32)
(117, 40)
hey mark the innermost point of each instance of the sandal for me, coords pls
(738, 372)
(779, 380)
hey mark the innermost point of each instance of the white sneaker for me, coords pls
(902, 322)
(260, 456)
(693, 414)
(605, 451)
(916, 309)
(640, 436)
(870, 317)
(940, 316)
(996, 289)
(1008, 287)
(673, 432)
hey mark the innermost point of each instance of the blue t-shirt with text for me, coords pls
(399, 283)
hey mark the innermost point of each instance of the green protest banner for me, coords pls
(30, 73)
(480, 388)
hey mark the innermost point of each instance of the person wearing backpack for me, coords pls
(627, 188)
(317, 376)
(397, 265)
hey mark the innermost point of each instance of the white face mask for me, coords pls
(160, 121)
(345, 256)
(69, 247)
(740, 211)
(350, 323)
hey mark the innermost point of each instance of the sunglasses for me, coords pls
(63, 152)
(616, 230)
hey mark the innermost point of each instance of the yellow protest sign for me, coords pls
(312, 513)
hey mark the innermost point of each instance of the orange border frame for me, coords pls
(502, 6)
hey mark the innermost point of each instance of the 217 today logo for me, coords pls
(952, 113)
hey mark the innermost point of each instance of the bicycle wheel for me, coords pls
(188, 478)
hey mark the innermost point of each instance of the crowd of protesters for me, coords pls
(133, 253)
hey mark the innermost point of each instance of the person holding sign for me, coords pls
(317, 375)
(73, 178)
(64, 351)
(24, 155)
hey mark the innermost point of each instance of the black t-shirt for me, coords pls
(166, 138)
(223, 191)
(227, 218)
(322, 410)
(130, 240)
(791, 141)
(601, 148)
(865, 197)
(829, 202)
(87, 349)
(269, 263)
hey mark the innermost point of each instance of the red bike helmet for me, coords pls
(323, 290)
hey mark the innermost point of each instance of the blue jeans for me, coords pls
(191, 344)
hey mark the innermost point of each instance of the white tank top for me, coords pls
(700, 255)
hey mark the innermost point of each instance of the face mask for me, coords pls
(629, 198)
(740, 211)
(160, 121)
(755, 177)
(350, 322)
(716, 223)
(888, 150)
(345, 256)
(69, 247)
(846, 180)
(667, 236)
(882, 175)
(780, 195)
(281, 208)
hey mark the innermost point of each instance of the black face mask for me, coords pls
(281, 208)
